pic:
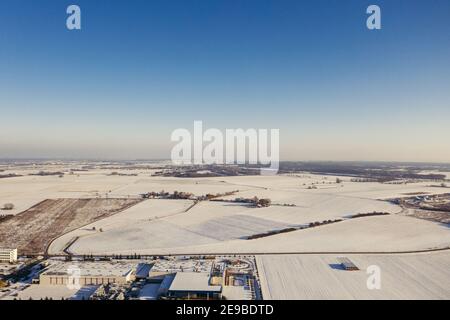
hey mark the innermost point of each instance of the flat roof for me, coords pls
(182, 265)
(94, 269)
(193, 281)
(237, 293)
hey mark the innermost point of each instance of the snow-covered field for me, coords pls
(26, 191)
(373, 234)
(126, 224)
(163, 226)
(218, 224)
(406, 276)
(446, 173)
(370, 234)
(158, 226)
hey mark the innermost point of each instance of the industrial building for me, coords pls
(193, 285)
(88, 273)
(8, 255)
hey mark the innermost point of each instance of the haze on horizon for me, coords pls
(139, 70)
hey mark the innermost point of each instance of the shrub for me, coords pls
(8, 206)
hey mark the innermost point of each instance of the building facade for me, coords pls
(88, 274)
(8, 255)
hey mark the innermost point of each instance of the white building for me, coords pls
(8, 255)
(194, 285)
(88, 273)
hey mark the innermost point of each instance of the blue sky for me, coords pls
(140, 69)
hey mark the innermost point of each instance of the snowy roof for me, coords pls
(193, 281)
(143, 270)
(91, 269)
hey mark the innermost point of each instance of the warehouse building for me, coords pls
(8, 255)
(88, 273)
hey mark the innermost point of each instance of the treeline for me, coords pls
(255, 201)
(375, 213)
(290, 229)
(204, 171)
(379, 172)
(181, 195)
(9, 175)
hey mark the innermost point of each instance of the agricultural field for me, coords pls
(128, 226)
(27, 191)
(406, 276)
(205, 223)
(178, 226)
(370, 234)
(221, 227)
(32, 230)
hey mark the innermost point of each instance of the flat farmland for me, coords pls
(391, 233)
(164, 226)
(32, 230)
(403, 276)
(223, 234)
(132, 228)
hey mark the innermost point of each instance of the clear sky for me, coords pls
(139, 69)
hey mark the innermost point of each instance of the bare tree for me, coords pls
(8, 206)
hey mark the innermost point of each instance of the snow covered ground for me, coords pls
(163, 226)
(157, 226)
(127, 223)
(406, 276)
(371, 234)
(27, 190)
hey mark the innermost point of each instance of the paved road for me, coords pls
(263, 253)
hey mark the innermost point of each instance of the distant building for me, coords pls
(8, 255)
(88, 273)
(193, 285)
(347, 264)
